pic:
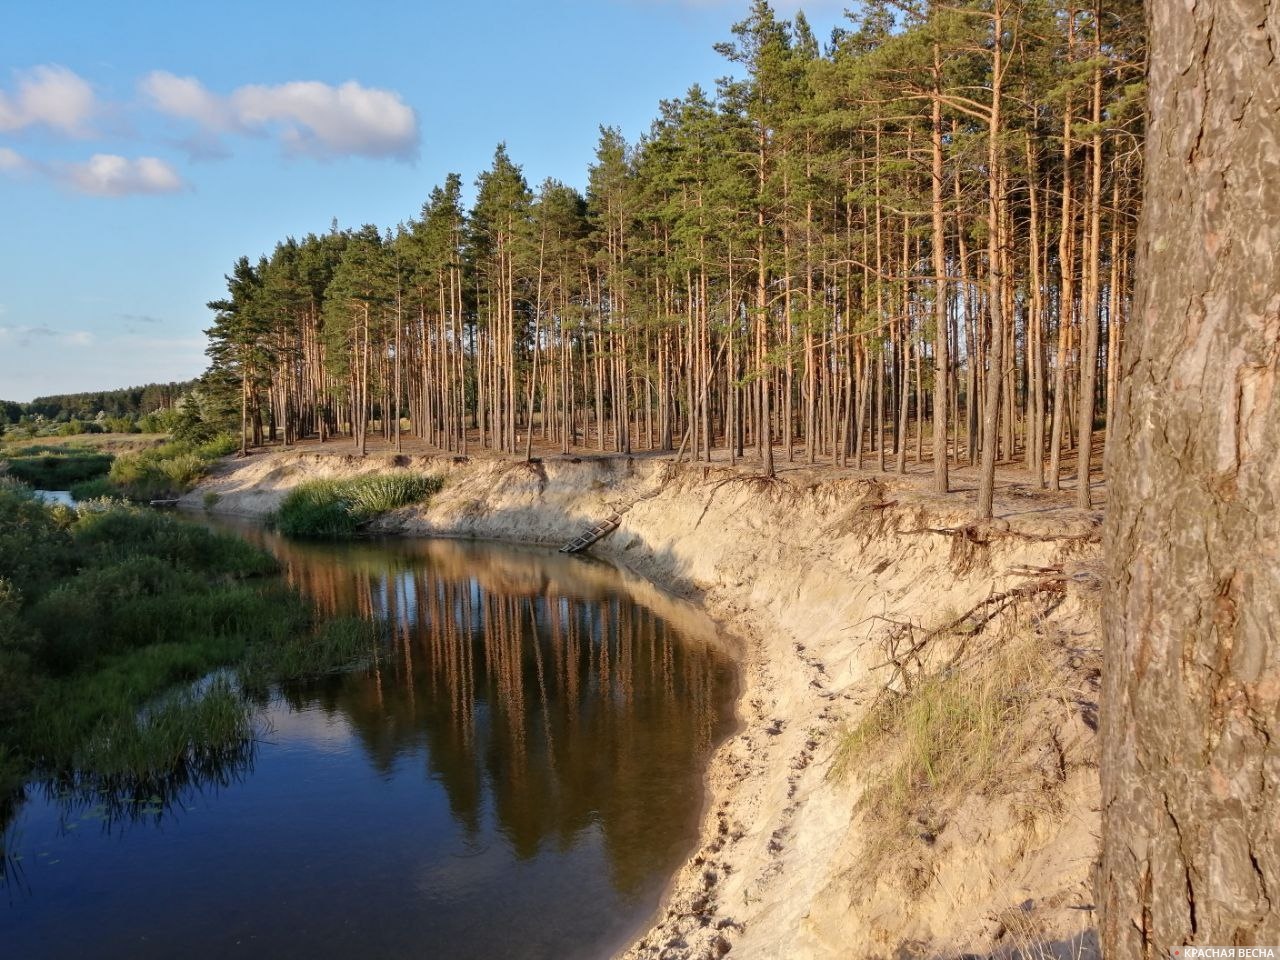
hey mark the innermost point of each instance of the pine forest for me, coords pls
(910, 244)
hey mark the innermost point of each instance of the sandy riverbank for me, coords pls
(836, 587)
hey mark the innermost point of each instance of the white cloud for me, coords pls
(309, 117)
(186, 97)
(102, 175)
(11, 161)
(318, 118)
(110, 175)
(50, 96)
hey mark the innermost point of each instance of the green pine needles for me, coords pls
(340, 508)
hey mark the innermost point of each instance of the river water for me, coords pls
(516, 776)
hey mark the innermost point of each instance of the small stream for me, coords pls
(517, 775)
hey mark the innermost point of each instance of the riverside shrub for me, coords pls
(166, 470)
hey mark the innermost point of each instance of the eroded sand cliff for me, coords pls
(869, 616)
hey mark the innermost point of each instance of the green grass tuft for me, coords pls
(181, 729)
(339, 508)
(336, 645)
(950, 735)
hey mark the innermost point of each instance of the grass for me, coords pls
(110, 615)
(950, 735)
(339, 508)
(166, 470)
(121, 531)
(141, 470)
(136, 767)
(116, 443)
(48, 467)
(334, 645)
(183, 728)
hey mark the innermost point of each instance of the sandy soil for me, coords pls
(832, 584)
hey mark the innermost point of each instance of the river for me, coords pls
(516, 775)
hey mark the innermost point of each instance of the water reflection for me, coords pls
(530, 677)
(515, 775)
(56, 497)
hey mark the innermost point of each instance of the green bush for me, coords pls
(169, 469)
(220, 446)
(16, 642)
(123, 424)
(94, 489)
(35, 542)
(121, 531)
(339, 508)
(138, 600)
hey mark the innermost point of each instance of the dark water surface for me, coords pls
(518, 776)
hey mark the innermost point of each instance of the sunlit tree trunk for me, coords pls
(1190, 713)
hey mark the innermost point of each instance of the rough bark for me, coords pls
(1191, 690)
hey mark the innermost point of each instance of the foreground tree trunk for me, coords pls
(1191, 690)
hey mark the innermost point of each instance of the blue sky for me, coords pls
(144, 146)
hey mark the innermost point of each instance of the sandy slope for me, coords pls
(824, 580)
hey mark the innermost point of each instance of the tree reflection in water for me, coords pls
(515, 773)
(539, 680)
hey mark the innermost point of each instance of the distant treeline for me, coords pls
(127, 401)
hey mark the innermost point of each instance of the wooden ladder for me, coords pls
(601, 529)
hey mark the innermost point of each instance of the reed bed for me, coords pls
(112, 619)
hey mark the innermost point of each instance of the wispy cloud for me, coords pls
(308, 116)
(139, 318)
(188, 98)
(111, 175)
(12, 162)
(23, 336)
(49, 96)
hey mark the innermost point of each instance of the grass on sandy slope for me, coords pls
(339, 508)
(949, 735)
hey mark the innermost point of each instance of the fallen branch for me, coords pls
(990, 607)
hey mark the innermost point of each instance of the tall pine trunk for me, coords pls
(1191, 685)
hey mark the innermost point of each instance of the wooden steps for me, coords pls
(601, 529)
